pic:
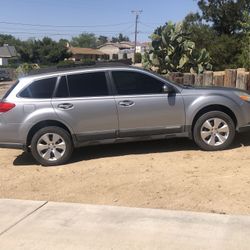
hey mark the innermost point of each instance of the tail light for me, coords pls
(6, 106)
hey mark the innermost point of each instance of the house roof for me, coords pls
(121, 45)
(85, 51)
(8, 51)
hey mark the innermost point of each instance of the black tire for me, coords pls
(200, 126)
(65, 142)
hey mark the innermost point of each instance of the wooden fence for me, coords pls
(236, 78)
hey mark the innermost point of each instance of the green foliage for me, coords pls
(120, 38)
(138, 57)
(102, 40)
(172, 51)
(244, 57)
(10, 40)
(226, 37)
(225, 16)
(88, 61)
(45, 51)
(66, 63)
(25, 68)
(84, 40)
(224, 49)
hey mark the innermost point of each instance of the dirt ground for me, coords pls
(170, 174)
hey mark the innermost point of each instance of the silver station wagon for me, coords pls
(52, 113)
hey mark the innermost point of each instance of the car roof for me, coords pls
(43, 72)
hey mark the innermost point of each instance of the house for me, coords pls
(79, 54)
(7, 52)
(122, 48)
(118, 49)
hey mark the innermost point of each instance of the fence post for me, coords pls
(242, 80)
(208, 78)
(188, 78)
(218, 78)
(198, 80)
(230, 78)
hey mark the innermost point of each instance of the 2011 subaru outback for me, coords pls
(53, 113)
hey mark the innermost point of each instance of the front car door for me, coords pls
(83, 101)
(143, 107)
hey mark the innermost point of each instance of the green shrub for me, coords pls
(138, 57)
(88, 61)
(25, 68)
(65, 63)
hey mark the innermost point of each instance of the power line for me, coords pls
(64, 26)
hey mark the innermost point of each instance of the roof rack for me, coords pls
(79, 66)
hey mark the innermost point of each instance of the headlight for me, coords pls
(243, 96)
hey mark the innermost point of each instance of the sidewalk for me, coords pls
(49, 225)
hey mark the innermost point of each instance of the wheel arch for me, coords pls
(43, 124)
(216, 107)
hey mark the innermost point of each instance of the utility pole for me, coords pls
(137, 13)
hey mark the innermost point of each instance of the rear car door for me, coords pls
(83, 101)
(143, 107)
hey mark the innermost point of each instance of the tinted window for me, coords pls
(88, 84)
(132, 83)
(62, 90)
(40, 89)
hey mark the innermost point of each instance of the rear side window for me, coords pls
(62, 89)
(88, 84)
(40, 89)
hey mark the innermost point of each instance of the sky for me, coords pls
(66, 18)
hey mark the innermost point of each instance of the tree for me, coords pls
(45, 51)
(224, 49)
(120, 38)
(10, 40)
(84, 40)
(102, 40)
(225, 15)
(50, 51)
(244, 57)
(172, 51)
(225, 34)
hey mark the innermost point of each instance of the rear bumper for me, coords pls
(13, 145)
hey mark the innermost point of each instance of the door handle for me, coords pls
(126, 103)
(65, 106)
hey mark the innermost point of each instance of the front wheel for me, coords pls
(51, 146)
(213, 131)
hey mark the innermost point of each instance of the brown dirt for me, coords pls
(171, 174)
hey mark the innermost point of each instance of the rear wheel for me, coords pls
(214, 130)
(51, 146)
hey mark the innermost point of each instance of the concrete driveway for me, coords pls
(49, 225)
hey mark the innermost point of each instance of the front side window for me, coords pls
(87, 84)
(40, 89)
(136, 83)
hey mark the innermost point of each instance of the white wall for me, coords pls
(3, 61)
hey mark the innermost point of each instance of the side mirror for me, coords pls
(167, 89)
